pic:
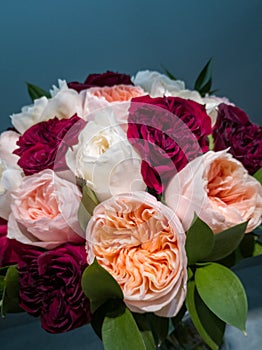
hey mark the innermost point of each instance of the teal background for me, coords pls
(42, 41)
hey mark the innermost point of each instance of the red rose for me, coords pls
(167, 132)
(105, 79)
(7, 254)
(50, 286)
(44, 145)
(233, 129)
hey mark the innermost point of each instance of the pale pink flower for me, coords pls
(219, 190)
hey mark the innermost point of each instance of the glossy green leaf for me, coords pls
(169, 74)
(86, 207)
(159, 326)
(121, 332)
(204, 80)
(222, 292)
(209, 326)
(199, 241)
(10, 292)
(99, 286)
(142, 321)
(258, 175)
(36, 92)
(226, 242)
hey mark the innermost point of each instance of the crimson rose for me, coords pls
(7, 254)
(167, 132)
(233, 129)
(50, 286)
(105, 79)
(44, 145)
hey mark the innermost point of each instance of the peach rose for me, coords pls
(219, 190)
(141, 243)
(44, 211)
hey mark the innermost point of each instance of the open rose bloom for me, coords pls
(100, 184)
(141, 243)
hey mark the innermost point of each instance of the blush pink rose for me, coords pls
(44, 211)
(141, 243)
(219, 190)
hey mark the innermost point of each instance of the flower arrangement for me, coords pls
(124, 203)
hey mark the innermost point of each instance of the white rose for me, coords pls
(64, 104)
(105, 159)
(10, 172)
(157, 84)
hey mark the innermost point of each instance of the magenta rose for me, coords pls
(167, 132)
(44, 145)
(50, 286)
(105, 79)
(233, 129)
(7, 254)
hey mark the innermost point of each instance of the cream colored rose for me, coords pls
(64, 103)
(10, 172)
(105, 159)
(219, 190)
(44, 211)
(141, 243)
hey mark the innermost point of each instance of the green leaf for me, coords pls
(199, 241)
(121, 332)
(209, 326)
(222, 292)
(247, 245)
(99, 286)
(169, 74)
(159, 326)
(226, 242)
(36, 92)
(258, 175)
(10, 292)
(211, 142)
(142, 321)
(203, 82)
(86, 207)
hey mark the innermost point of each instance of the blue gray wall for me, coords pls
(42, 41)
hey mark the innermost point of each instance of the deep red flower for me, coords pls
(105, 79)
(167, 132)
(233, 129)
(7, 254)
(44, 145)
(50, 286)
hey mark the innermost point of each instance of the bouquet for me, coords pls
(124, 204)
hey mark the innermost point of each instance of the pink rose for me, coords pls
(141, 243)
(44, 211)
(219, 190)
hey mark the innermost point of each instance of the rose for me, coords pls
(233, 129)
(104, 158)
(141, 243)
(63, 104)
(10, 172)
(44, 211)
(211, 104)
(50, 286)
(219, 190)
(44, 145)
(105, 79)
(7, 254)
(156, 84)
(167, 132)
